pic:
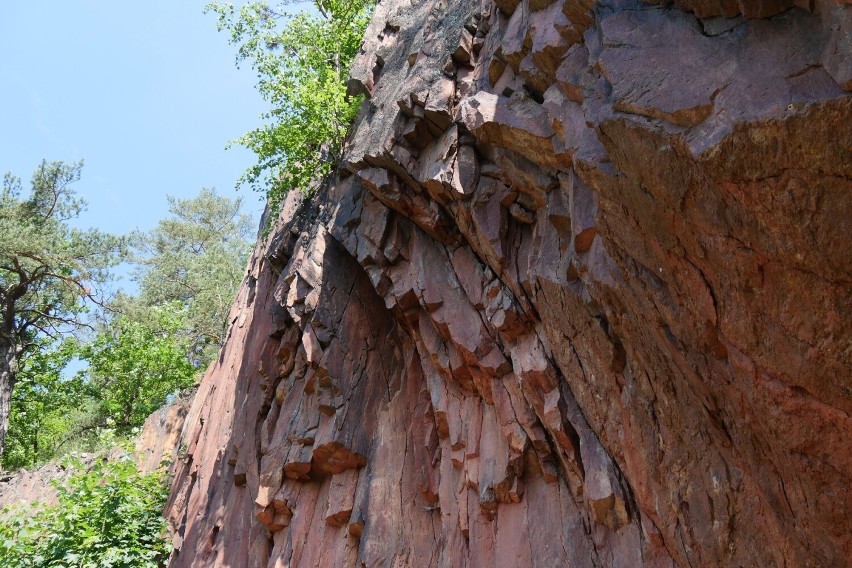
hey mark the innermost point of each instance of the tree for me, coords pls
(195, 258)
(302, 61)
(135, 366)
(145, 347)
(49, 270)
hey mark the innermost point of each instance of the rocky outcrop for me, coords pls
(19, 490)
(580, 296)
(159, 440)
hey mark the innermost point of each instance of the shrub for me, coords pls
(107, 517)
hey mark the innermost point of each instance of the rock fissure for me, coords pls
(581, 298)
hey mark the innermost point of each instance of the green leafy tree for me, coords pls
(49, 270)
(46, 404)
(302, 62)
(107, 517)
(195, 258)
(150, 346)
(134, 366)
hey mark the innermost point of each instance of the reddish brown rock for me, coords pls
(581, 298)
(159, 441)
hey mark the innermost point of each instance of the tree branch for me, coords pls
(323, 10)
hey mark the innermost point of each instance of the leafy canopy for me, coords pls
(302, 62)
(106, 517)
(146, 347)
(135, 366)
(195, 258)
(46, 404)
(49, 270)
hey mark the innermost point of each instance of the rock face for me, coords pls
(160, 438)
(579, 297)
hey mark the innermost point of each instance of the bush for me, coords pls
(107, 517)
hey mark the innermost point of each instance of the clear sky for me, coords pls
(145, 92)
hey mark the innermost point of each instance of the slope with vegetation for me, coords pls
(107, 515)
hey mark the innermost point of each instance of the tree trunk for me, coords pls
(9, 355)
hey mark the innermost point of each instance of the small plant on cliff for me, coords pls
(108, 516)
(302, 61)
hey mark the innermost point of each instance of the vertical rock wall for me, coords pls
(579, 297)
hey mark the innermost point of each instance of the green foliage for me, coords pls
(135, 366)
(302, 62)
(42, 405)
(107, 517)
(52, 265)
(49, 271)
(189, 268)
(195, 258)
(45, 405)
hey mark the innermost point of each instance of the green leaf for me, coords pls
(302, 61)
(115, 521)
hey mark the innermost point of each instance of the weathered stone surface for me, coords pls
(159, 440)
(582, 298)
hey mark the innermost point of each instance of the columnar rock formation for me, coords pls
(580, 296)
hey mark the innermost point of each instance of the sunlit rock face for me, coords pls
(579, 297)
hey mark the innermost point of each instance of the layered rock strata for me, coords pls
(580, 296)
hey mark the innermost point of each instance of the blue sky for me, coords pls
(147, 93)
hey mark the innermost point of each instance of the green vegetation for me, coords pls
(302, 62)
(139, 350)
(45, 404)
(134, 366)
(194, 259)
(106, 516)
(49, 270)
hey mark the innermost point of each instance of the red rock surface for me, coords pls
(580, 297)
(160, 438)
(26, 486)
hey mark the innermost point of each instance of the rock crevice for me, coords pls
(579, 296)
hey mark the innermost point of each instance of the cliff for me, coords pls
(579, 296)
